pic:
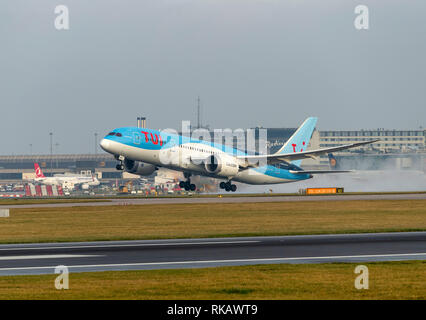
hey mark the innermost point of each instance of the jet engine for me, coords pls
(138, 167)
(221, 165)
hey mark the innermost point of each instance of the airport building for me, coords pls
(397, 149)
(391, 141)
(14, 168)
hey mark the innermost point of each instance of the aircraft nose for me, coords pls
(105, 143)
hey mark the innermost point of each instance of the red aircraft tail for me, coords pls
(38, 172)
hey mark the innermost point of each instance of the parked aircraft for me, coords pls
(65, 180)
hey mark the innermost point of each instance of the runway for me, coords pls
(23, 259)
(217, 199)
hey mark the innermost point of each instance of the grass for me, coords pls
(387, 280)
(251, 195)
(210, 220)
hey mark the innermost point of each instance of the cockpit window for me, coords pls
(112, 133)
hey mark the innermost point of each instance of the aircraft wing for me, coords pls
(253, 161)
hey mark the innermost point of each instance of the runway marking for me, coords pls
(129, 245)
(47, 256)
(220, 261)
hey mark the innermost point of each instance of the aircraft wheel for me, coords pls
(187, 187)
(119, 167)
(233, 187)
(182, 184)
(192, 187)
(227, 188)
(222, 185)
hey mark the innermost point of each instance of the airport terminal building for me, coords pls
(397, 149)
(390, 140)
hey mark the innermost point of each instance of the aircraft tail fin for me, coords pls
(38, 172)
(299, 141)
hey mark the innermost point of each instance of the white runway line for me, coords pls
(420, 254)
(128, 245)
(47, 256)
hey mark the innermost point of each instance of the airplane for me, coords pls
(142, 151)
(65, 179)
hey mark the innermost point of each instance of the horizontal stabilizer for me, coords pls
(318, 171)
(288, 157)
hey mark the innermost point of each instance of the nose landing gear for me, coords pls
(120, 165)
(228, 186)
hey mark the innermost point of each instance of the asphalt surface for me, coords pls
(236, 199)
(20, 259)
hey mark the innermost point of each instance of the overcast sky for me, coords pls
(270, 63)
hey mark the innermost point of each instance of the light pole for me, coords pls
(96, 143)
(57, 152)
(51, 149)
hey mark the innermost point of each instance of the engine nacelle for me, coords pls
(138, 167)
(221, 165)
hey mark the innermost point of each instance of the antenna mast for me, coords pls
(198, 113)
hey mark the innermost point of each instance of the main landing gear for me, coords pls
(187, 185)
(228, 186)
